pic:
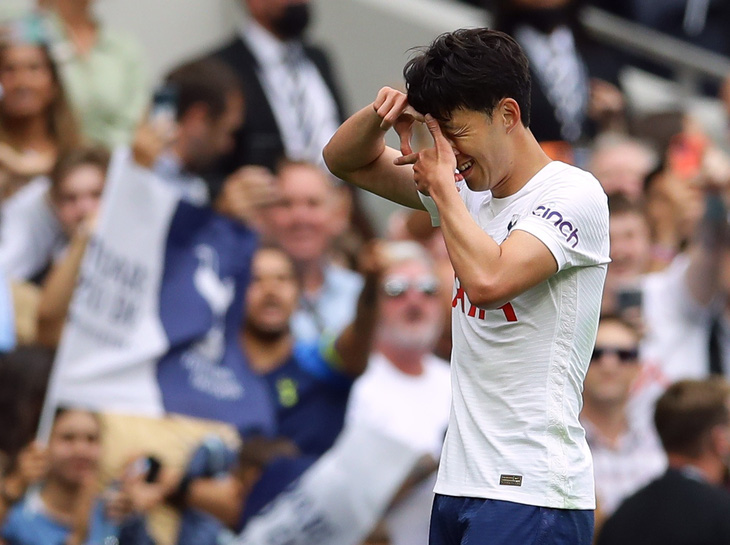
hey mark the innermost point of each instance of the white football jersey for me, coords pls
(517, 372)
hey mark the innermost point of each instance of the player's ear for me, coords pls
(510, 114)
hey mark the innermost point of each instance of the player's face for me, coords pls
(479, 144)
(78, 196)
(615, 365)
(301, 221)
(411, 315)
(273, 292)
(74, 447)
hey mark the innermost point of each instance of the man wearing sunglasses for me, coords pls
(626, 451)
(406, 390)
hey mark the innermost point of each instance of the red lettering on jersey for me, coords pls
(460, 294)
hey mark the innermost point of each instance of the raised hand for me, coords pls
(392, 107)
(432, 167)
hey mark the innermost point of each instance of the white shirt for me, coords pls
(413, 409)
(623, 468)
(303, 106)
(677, 327)
(31, 237)
(517, 372)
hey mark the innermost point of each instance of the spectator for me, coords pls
(39, 221)
(406, 391)
(621, 164)
(293, 105)
(209, 111)
(310, 382)
(36, 122)
(687, 505)
(103, 72)
(7, 316)
(626, 451)
(65, 510)
(304, 221)
(575, 89)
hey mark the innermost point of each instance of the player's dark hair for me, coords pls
(469, 69)
(208, 81)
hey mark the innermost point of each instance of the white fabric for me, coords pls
(282, 83)
(340, 498)
(677, 327)
(517, 372)
(413, 409)
(31, 236)
(94, 335)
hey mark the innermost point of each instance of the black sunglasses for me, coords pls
(396, 286)
(625, 355)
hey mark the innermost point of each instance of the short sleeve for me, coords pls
(571, 219)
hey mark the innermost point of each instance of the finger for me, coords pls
(442, 145)
(405, 140)
(410, 159)
(418, 116)
(396, 108)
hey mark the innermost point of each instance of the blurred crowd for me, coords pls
(345, 327)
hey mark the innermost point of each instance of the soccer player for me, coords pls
(528, 239)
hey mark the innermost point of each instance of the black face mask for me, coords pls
(292, 22)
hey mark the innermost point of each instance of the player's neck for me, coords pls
(266, 353)
(529, 160)
(608, 419)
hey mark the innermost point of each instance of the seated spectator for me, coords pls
(621, 164)
(626, 451)
(66, 509)
(102, 71)
(36, 122)
(688, 504)
(304, 222)
(309, 381)
(406, 391)
(40, 220)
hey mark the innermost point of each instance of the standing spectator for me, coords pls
(304, 221)
(310, 382)
(575, 89)
(626, 451)
(103, 72)
(687, 505)
(406, 391)
(293, 105)
(36, 122)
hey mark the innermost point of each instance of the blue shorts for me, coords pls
(476, 521)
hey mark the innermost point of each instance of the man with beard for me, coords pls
(406, 390)
(293, 105)
(310, 382)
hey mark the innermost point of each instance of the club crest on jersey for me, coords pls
(556, 218)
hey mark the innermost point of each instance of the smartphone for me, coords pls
(149, 467)
(686, 153)
(628, 298)
(164, 105)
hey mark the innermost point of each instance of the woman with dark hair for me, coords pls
(36, 121)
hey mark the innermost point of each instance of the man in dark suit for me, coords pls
(687, 505)
(293, 105)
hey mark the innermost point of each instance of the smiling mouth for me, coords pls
(465, 166)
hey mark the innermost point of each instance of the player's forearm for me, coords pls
(474, 254)
(356, 144)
